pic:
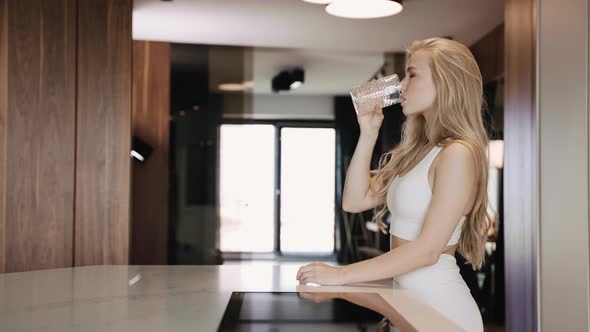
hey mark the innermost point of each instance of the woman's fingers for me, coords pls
(302, 270)
(306, 268)
(306, 277)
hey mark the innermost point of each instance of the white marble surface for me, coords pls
(163, 298)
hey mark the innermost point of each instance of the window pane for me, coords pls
(307, 189)
(247, 179)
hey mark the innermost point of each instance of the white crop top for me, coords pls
(408, 199)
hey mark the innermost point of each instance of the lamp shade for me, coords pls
(364, 8)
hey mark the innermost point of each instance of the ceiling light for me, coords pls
(364, 8)
(295, 85)
(288, 80)
(234, 87)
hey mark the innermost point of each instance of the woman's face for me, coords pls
(418, 90)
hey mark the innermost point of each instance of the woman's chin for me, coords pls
(408, 111)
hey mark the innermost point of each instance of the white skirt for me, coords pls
(442, 287)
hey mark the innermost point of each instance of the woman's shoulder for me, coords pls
(457, 153)
(458, 146)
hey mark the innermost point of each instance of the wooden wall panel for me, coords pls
(39, 62)
(103, 133)
(151, 123)
(520, 171)
(3, 127)
(489, 53)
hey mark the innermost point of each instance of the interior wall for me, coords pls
(563, 158)
(103, 133)
(151, 123)
(520, 167)
(489, 53)
(37, 133)
(3, 127)
(65, 110)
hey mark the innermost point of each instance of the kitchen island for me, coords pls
(166, 298)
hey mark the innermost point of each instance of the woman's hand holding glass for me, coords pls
(370, 122)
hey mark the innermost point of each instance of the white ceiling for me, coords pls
(298, 24)
(336, 53)
(326, 72)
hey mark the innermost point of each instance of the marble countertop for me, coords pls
(164, 298)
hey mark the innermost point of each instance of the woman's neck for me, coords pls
(427, 117)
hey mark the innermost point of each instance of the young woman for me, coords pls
(433, 184)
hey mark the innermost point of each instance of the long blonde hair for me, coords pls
(456, 117)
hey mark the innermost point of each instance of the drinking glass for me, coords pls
(384, 92)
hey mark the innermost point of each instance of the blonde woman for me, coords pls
(433, 184)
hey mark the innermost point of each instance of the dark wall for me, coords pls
(3, 126)
(489, 53)
(64, 133)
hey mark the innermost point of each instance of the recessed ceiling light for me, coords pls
(364, 8)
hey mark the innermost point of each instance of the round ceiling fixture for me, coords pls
(364, 8)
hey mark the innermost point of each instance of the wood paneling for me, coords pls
(39, 48)
(489, 53)
(151, 123)
(103, 133)
(520, 166)
(65, 109)
(3, 128)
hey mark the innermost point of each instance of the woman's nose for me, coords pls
(402, 86)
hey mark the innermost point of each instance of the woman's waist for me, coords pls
(395, 242)
(444, 271)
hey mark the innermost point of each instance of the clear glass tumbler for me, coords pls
(383, 92)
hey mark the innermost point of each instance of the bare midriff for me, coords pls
(396, 242)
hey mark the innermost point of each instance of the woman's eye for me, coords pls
(412, 76)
